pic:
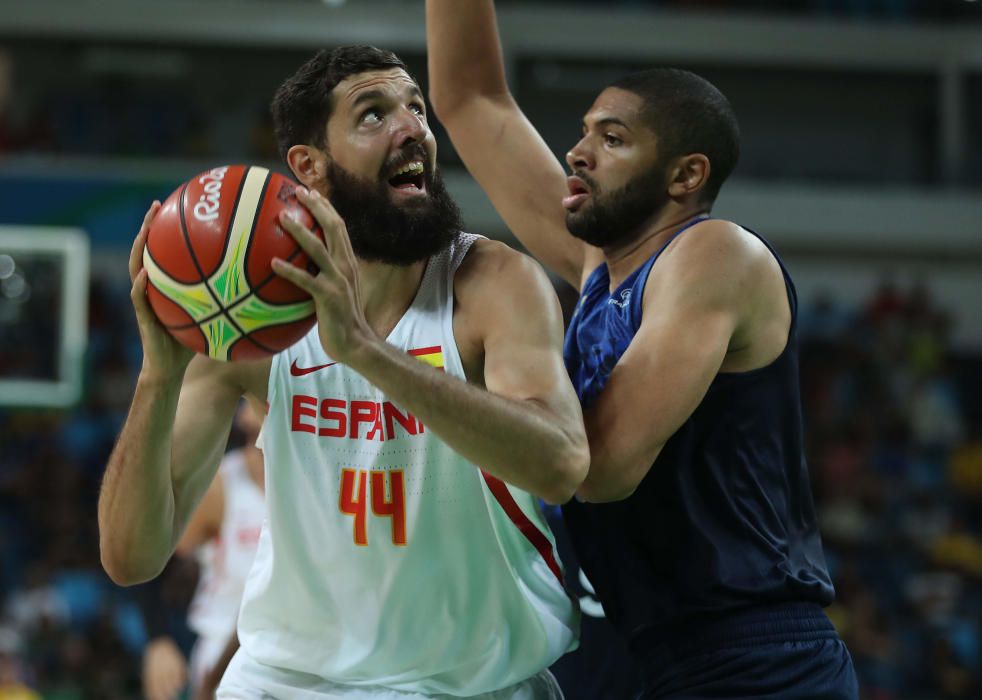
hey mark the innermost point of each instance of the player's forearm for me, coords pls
(614, 474)
(136, 504)
(463, 53)
(521, 442)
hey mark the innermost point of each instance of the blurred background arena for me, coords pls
(862, 162)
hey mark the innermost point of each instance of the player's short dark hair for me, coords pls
(688, 114)
(304, 102)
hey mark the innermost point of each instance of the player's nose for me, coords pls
(410, 128)
(579, 157)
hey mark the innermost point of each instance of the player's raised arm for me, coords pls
(170, 446)
(501, 149)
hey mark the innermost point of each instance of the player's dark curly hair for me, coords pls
(688, 115)
(304, 102)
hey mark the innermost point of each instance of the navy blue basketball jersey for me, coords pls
(724, 519)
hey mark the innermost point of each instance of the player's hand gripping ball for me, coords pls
(208, 258)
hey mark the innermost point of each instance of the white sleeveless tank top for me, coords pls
(226, 562)
(388, 559)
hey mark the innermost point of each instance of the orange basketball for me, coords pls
(208, 259)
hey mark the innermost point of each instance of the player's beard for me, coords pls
(619, 216)
(381, 230)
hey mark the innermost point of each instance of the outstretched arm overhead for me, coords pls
(501, 149)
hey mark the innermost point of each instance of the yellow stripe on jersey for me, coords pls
(433, 356)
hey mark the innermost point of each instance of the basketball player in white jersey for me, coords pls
(223, 533)
(408, 437)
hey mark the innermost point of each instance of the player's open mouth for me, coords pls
(578, 192)
(409, 178)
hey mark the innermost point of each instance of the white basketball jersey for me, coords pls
(227, 562)
(388, 559)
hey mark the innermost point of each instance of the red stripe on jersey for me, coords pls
(525, 526)
(426, 351)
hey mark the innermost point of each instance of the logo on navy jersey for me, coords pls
(624, 300)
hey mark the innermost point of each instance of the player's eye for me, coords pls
(612, 140)
(373, 115)
(418, 108)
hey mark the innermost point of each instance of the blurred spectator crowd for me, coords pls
(96, 106)
(872, 9)
(895, 450)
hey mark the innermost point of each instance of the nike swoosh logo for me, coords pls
(301, 371)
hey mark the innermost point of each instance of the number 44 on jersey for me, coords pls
(387, 491)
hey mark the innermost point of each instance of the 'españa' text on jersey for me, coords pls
(389, 560)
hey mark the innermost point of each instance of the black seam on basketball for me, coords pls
(244, 334)
(235, 208)
(178, 327)
(269, 278)
(187, 242)
(251, 340)
(234, 304)
(255, 220)
(167, 272)
(204, 338)
(196, 323)
(234, 343)
(235, 325)
(197, 265)
(203, 320)
(259, 345)
(270, 325)
(186, 326)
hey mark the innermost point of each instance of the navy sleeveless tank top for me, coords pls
(724, 520)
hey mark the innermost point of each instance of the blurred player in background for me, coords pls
(396, 561)
(11, 685)
(223, 533)
(696, 523)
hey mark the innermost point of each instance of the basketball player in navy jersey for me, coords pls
(696, 523)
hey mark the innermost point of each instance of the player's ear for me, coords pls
(308, 163)
(689, 175)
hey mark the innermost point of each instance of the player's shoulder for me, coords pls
(493, 265)
(712, 236)
(718, 245)
(716, 263)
